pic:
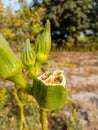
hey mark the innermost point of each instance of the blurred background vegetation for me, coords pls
(74, 22)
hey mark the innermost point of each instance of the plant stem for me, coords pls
(21, 106)
(35, 71)
(43, 119)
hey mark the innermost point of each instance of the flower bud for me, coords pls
(10, 65)
(43, 45)
(49, 89)
(28, 55)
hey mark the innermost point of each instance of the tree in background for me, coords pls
(94, 17)
(70, 17)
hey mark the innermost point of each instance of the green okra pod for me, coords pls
(43, 44)
(49, 89)
(10, 64)
(28, 55)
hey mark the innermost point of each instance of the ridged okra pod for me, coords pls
(43, 44)
(49, 89)
(10, 64)
(28, 55)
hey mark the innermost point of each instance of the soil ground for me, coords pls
(81, 71)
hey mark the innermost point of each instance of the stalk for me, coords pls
(21, 106)
(43, 119)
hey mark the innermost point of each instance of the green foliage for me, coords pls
(70, 17)
(65, 19)
(25, 23)
(94, 17)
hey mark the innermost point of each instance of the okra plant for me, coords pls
(48, 88)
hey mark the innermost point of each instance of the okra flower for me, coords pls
(10, 64)
(49, 89)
